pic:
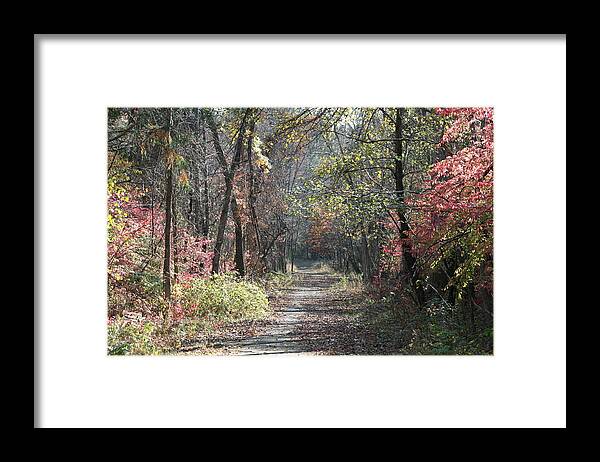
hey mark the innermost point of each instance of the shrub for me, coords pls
(128, 337)
(275, 281)
(440, 333)
(324, 267)
(224, 296)
(349, 282)
(150, 283)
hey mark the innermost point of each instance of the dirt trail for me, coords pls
(283, 336)
(310, 319)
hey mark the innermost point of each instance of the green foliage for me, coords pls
(117, 195)
(151, 284)
(437, 332)
(224, 296)
(126, 337)
(444, 340)
(349, 283)
(275, 281)
(324, 267)
(189, 329)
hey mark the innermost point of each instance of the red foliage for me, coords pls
(194, 254)
(319, 235)
(455, 208)
(133, 222)
(136, 246)
(459, 191)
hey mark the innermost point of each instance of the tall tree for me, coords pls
(229, 175)
(409, 259)
(169, 160)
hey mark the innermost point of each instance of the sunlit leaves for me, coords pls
(453, 215)
(184, 178)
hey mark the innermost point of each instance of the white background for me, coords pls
(523, 384)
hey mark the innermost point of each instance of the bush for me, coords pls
(349, 282)
(275, 281)
(150, 283)
(225, 297)
(439, 332)
(127, 337)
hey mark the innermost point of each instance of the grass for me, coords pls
(276, 282)
(349, 283)
(199, 308)
(224, 297)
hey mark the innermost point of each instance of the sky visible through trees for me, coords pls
(300, 230)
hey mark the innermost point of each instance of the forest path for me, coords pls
(286, 334)
(312, 317)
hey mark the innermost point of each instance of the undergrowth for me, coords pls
(435, 329)
(198, 306)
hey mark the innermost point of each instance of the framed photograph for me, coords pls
(268, 228)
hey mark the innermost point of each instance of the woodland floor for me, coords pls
(310, 318)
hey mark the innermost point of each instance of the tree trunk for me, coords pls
(239, 238)
(409, 259)
(168, 210)
(293, 250)
(229, 173)
(205, 197)
(216, 261)
(364, 258)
